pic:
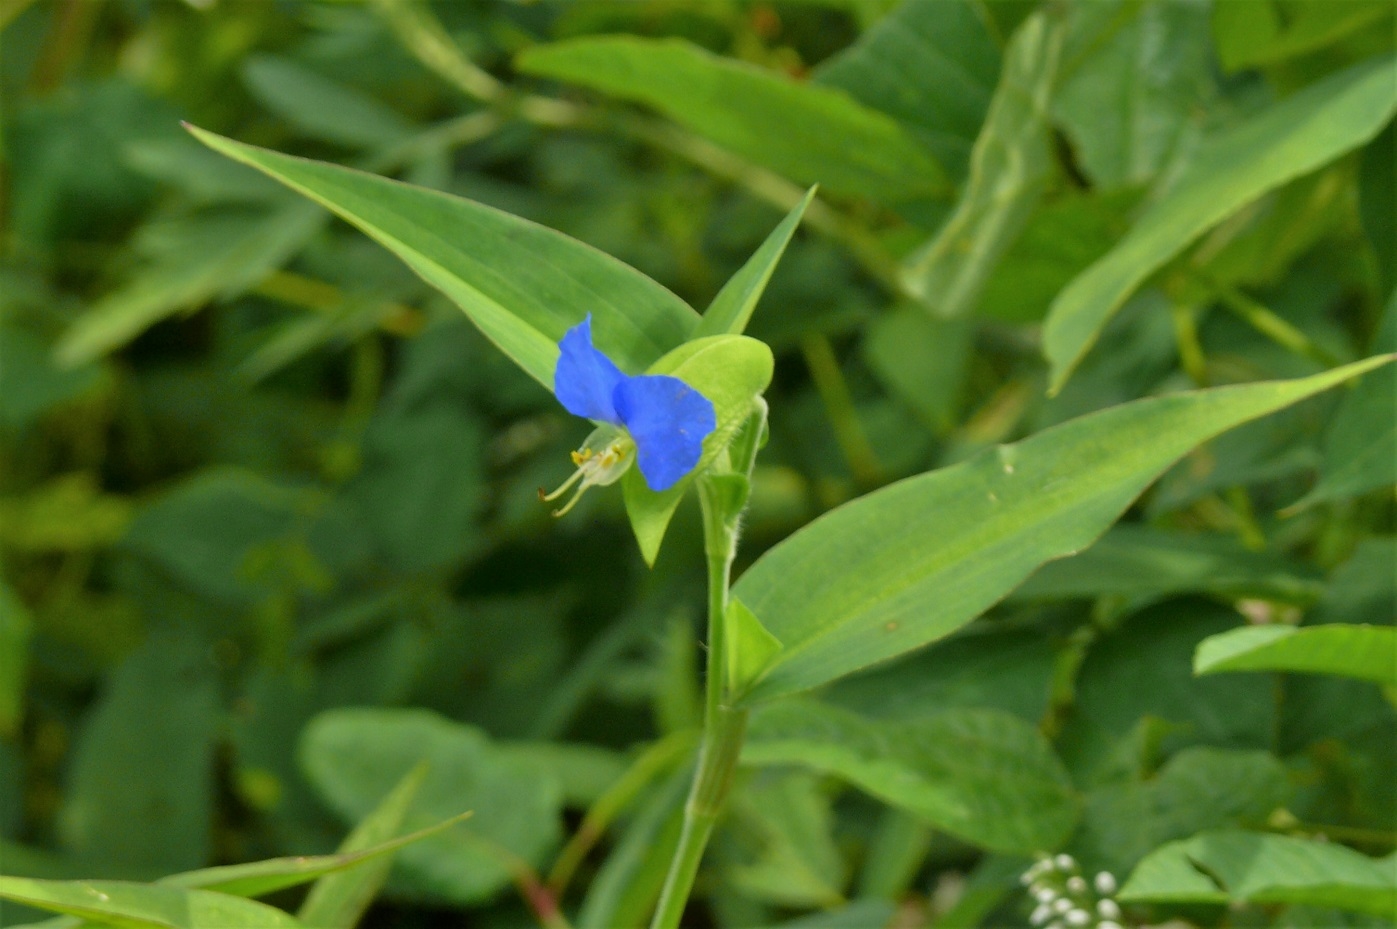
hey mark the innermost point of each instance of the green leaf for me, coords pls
(922, 361)
(1263, 32)
(1133, 103)
(982, 775)
(15, 628)
(809, 133)
(338, 900)
(731, 371)
(1249, 867)
(750, 647)
(931, 66)
(1010, 167)
(1368, 653)
(1360, 445)
(144, 906)
(522, 284)
(319, 107)
(161, 703)
(913, 562)
(355, 756)
(799, 864)
(732, 307)
(1285, 141)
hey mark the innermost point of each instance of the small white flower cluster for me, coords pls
(1066, 901)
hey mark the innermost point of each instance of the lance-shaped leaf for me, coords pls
(809, 133)
(144, 906)
(1285, 141)
(917, 560)
(1368, 653)
(523, 284)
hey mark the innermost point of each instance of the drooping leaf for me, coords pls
(522, 284)
(1283, 142)
(732, 307)
(981, 775)
(931, 66)
(1010, 167)
(1250, 867)
(145, 906)
(1368, 653)
(913, 562)
(805, 131)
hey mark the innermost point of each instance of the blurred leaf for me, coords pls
(319, 107)
(1360, 444)
(1288, 139)
(1250, 867)
(524, 285)
(852, 588)
(731, 371)
(15, 629)
(197, 259)
(922, 361)
(355, 756)
(30, 383)
(803, 131)
(158, 713)
(1140, 561)
(982, 775)
(69, 513)
(1261, 32)
(1199, 788)
(1368, 653)
(1131, 106)
(145, 906)
(931, 66)
(798, 864)
(1377, 191)
(732, 307)
(1010, 167)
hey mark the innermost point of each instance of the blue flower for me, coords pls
(655, 420)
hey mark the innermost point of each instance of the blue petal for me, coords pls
(585, 380)
(668, 420)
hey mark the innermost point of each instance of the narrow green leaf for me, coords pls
(319, 107)
(1249, 33)
(913, 562)
(750, 646)
(931, 66)
(1285, 141)
(1368, 653)
(338, 900)
(1249, 867)
(1010, 167)
(982, 775)
(731, 309)
(731, 371)
(144, 906)
(811, 134)
(522, 284)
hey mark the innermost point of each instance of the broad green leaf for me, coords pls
(982, 775)
(355, 756)
(1133, 103)
(750, 647)
(522, 284)
(732, 307)
(161, 703)
(1360, 444)
(1010, 167)
(914, 561)
(15, 629)
(1285, 141)
(195, 260)
(320, 107)
(809, 133)
(1368, 653)
(1249, 33)
(1141, 561)
(144, 906)
(931, 66)
(731, 371)
(338, 900)
(922, 361)
(1250, 867)
(1199, 788)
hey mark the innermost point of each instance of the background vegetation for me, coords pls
(267, 501)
